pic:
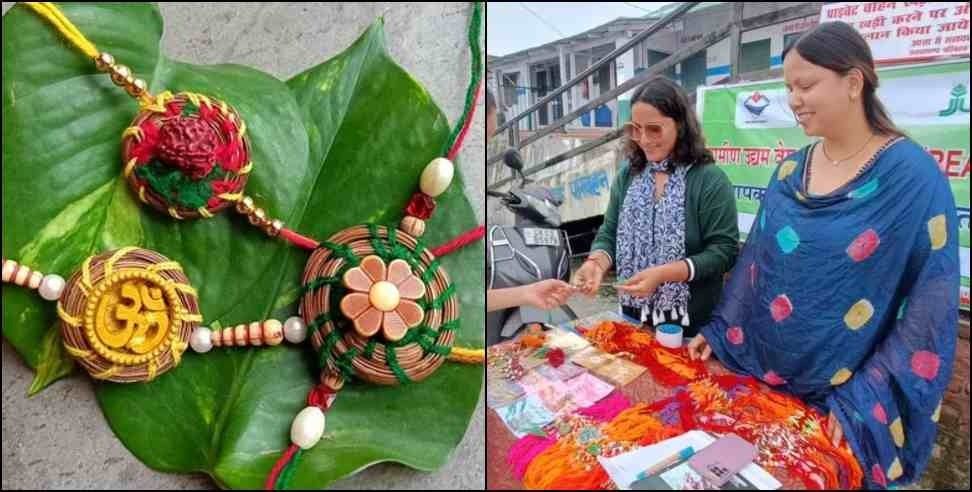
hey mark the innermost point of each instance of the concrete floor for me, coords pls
(59, 438)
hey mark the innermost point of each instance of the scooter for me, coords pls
(530, 250)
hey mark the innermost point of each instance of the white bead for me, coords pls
(51, 287)
(308, 427)
(436, 177)
(201, 339)
(295, 331)
(384, 296)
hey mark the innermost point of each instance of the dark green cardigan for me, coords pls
(711, 233)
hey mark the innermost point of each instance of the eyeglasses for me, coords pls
(637, 132)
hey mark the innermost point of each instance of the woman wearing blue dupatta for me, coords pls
(846, 292)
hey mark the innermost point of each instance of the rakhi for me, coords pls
(377, 305)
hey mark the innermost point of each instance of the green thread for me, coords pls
(450, 325)
(344, 363)
(475, 73)
(283, 481)
(319, 282)
(342, 251)
(175, 187)
(430, 271)
(329, 342)
(439, 301)
(376, 242)
(369, 349)
(318, 322)
(392, 359)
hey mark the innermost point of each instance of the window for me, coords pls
(510, 82)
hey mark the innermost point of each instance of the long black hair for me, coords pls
(838, 47)
(670, 99)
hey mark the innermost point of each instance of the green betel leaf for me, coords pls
(339, 145)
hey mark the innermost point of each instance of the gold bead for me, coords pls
(104, 61)
(413, 226)
(121, 75)
(274, 228)
(137, 88)
(258, 217)
(245, 206)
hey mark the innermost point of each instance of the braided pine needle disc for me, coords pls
(187, 155)
(378, 306)
(127, 314)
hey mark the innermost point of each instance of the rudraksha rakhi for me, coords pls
(187, 155)
(342, 348)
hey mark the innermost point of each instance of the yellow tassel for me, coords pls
(52, 14)
(467, 356)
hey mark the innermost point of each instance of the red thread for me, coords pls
(298, 240)
(279, 466)
(465, 127)
(464, 239)
(319, 396)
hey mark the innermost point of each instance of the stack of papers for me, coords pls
(624, 468)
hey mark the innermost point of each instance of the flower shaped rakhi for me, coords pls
(382, 298)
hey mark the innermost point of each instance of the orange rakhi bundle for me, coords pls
(571, 463)
(670, 367)
(787, 432)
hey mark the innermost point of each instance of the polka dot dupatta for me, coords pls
(849, 301)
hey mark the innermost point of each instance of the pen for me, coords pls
(665, 463)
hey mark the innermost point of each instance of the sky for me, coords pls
(513, 26)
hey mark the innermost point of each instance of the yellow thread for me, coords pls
(193, 98)
(133, 131)
(157, 104)
(242, 127)
(78, 353)
(465, 355)
(191, 318)
(67, 318)
(141, 194)
(174, 214)
(247, 168)
(204, 212)
(232, 197)
(165, 265)
(129, 167)
(107, 373)
(110, 264)
(86, 273)
(184, 288)
(222, 108)
(152, 369)
(177, 349)
(52, 14)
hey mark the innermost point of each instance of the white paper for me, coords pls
(624, 468)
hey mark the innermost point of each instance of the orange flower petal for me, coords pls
(410, 312)
(357, 279)
(393, 326)
(411, 288)
(368, 323)
(398, 271)
(374, 266)
(355, 304)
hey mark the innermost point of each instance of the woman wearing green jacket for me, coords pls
(670, 229)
